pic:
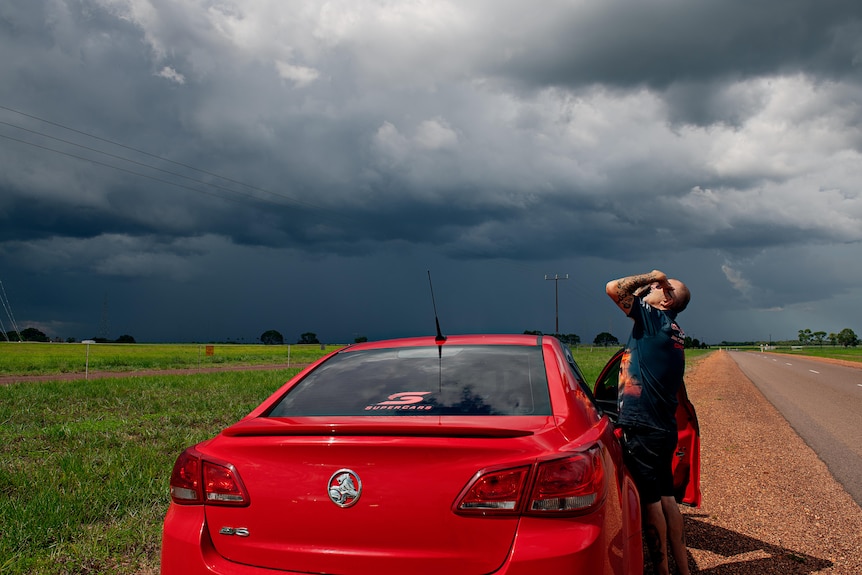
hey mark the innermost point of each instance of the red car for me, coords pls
(465, 456)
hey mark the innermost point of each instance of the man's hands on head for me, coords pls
(663, 282)
(624, 290)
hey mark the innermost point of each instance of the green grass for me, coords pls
(31, 358)
(591, 360)
(833, 352)
(85, 464)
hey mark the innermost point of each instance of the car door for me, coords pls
(686, 463)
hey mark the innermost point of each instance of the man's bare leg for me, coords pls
(675, 533)
(655, 536)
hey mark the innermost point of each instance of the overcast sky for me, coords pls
(204, 170)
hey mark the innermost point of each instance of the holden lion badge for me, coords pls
(345, 487)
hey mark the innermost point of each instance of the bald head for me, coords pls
(681, 295)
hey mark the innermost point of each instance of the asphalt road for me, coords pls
(823, 404)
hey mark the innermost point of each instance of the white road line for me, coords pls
(812, 371)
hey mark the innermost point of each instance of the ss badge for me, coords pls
(238, 531)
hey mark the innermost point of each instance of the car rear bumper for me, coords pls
(541, 546)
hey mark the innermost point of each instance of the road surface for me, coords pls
(821, 401)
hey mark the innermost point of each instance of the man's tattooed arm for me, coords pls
(623, 290)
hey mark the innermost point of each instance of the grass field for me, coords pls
(844, 353)
(85, 464)
(30, 358)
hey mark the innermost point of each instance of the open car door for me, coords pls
(686, 463)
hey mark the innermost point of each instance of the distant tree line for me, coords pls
(566, 338)
(606, 339)
(274, 337)
(29, 334)
(33, 334)
(845, 338)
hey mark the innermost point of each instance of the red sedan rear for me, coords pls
(469, 456)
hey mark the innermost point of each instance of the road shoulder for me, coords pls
(770, 504)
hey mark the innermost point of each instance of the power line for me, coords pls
(135, 162)
(281, 196)
(8, 308)
(132, 172)
(120, 145)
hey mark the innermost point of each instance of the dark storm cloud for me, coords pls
(624, 44)
(248, 163)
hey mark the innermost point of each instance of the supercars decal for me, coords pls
(403, 400)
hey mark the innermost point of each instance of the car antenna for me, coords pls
(440, 337)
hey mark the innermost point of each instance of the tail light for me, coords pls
(196, 480)
(569, 485)
(498, 491)
(572, 484)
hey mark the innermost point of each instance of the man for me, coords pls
(651, 373)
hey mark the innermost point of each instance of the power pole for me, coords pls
(556, 280)
(104, 324)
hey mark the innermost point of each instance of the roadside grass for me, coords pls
(591, 360)
(30, 358)
(85, 464)
(827, 351)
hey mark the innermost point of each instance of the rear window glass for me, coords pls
(462, 380)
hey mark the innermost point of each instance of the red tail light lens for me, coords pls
(569, 485)
(572, 484)
(195, 481)
(186, 479)
(222, 485)
(496, 492)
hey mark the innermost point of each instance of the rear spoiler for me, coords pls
(277, 426)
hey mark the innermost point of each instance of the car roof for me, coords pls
(464, 339)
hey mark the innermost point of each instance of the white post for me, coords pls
(87, 363)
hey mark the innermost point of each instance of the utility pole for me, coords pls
(104, 324)
(556, 280)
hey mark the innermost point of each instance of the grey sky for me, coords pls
(214, 169)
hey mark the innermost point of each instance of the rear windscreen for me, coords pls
(445, 380)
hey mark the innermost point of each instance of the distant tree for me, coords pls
(360, 339)
(833, 338)
(805, 336)
(568, 338)
(33, 334)
(125, 338)
(271, 337)
(605, 339)
(725, 343)
(532, 332)
(308, 337)
(848, 338)
(819, 337)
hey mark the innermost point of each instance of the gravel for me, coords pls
(770, 505)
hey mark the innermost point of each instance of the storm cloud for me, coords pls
(202, 170)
